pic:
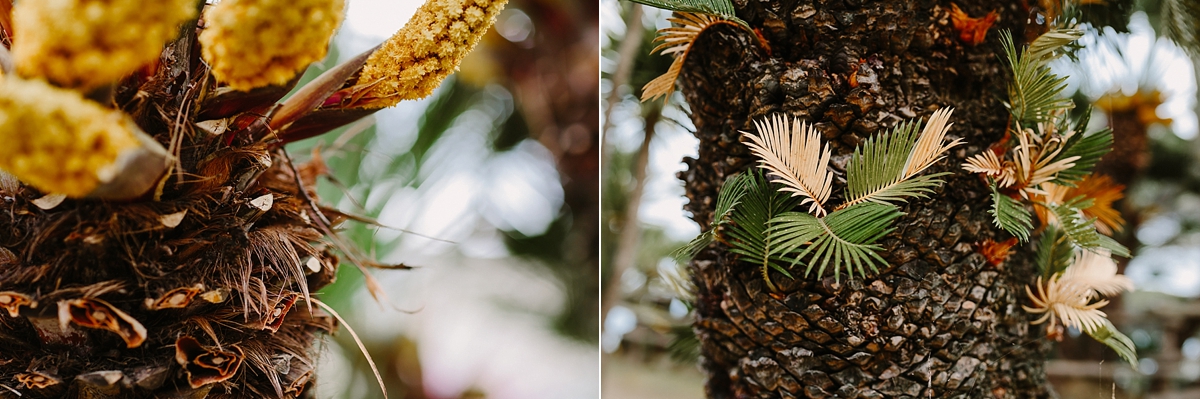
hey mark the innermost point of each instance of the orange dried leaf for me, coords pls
(175, 299)
(971, 31)
(997, 252)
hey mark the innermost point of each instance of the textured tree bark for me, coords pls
(939, 321)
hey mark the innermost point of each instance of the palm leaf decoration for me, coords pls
(720, 8)
(748, 232)
(1081, 230)
(1034, 92)
(796, 156)
(730, 195)
(846, 238)
(1108, 334)
(1097, 271)
(677, 40)
(884, 168)
(1010, 215)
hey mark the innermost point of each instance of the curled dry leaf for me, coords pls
(37, 380)
(98, 314)
(997, 252)
(206, 366)
(13, 301)
(971, 31)
(279, 311)
(677, 40)
(174, 299)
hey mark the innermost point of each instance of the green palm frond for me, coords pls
(1054, 252)
(1047, 46)
(1181, 23)
(883, 169)
(1034, 92)
(1089, 147)
(721, 8)
(1108, 334)
(1081, 230)
(747, 234)
(1010, 215)
(730, 195)
(845, 239)
(684, 346)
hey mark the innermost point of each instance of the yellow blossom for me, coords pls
(57, 141)
(89, 43)
(252, 44)
(417, 58)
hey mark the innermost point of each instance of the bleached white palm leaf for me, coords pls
(795, 155)
(885, 168)
(989, 164)
(1067, 302)
(1097, 271)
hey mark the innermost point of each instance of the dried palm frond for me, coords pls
(1100, 190)
(1068, 302)
(884, 169)
(677, 40)
(1036, 162)
(989, 164)
(796, 156)
(1097, 271)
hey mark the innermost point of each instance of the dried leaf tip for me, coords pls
(62, 143)
(417, 58)
(251, 44)
(89, 43)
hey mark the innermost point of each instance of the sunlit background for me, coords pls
(488, 190)
(1139, 83)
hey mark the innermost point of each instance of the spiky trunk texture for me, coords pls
(939, 321)
(221, 293)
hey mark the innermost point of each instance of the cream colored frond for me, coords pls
(1097, 271)
(664, 84)
(1068, 302)
(676, 40)
(987, 163)
(1034, 161)
(795, 155)
(930, 145)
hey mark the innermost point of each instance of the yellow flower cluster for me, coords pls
(89, 43)
(416, 59)
(56, 140)
(252, 44)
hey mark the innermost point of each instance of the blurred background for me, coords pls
(1136, 81)
(499, 166)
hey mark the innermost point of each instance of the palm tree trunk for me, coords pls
(940, 321)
